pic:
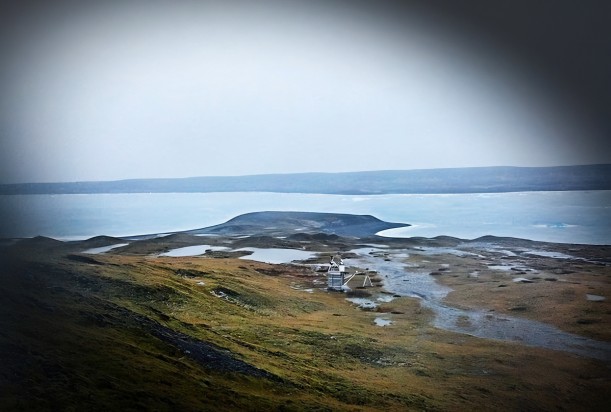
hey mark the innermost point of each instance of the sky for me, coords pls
(132, 89)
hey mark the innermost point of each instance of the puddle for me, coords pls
(368, 250)
(554, 255)
(385, 298)
(595, 298)
(363, 303)
(382, 321)
(104, 249)
(506, 268)
(501, 267)
(308, 290)
(506, 252)
(276, 255)
(431, 251)
(522, 280)
(191, 250)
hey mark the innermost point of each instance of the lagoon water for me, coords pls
(103, 249)
(276, 255)
(566, 217)
(191, 250)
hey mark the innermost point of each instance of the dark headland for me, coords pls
(272, 223)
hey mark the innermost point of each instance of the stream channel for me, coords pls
(481, 323)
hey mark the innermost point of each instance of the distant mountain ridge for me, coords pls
(455, 180)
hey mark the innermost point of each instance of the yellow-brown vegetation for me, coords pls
(80, 335)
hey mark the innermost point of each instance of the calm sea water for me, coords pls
(567, 217)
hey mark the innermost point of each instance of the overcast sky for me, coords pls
(193, 88)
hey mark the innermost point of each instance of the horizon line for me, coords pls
(302, 173)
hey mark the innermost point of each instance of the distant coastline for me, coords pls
(558, 216)
(426, 181)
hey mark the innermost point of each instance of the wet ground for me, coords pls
(431, 269)
(401, 278)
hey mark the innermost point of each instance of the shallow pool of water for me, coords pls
(272, 255)
(363, 303)
(382, 321)
(191, 250)
(544, 253)
(104, 249)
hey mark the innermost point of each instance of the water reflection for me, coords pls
(483, 324)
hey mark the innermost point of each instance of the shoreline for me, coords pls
(237, 323)
(559, 217)
(498, 257)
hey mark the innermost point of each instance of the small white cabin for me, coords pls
(336, 275)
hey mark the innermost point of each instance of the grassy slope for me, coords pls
(72, 337)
